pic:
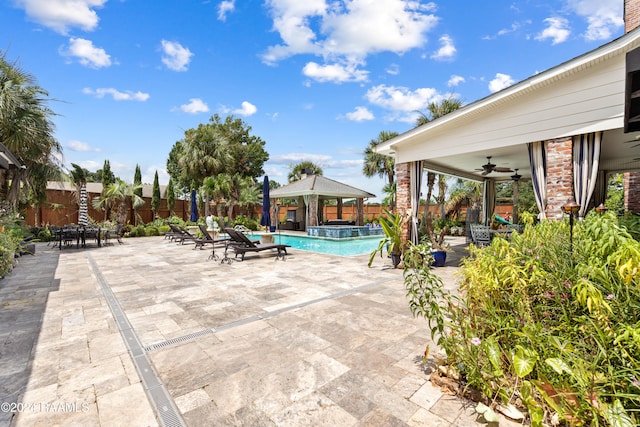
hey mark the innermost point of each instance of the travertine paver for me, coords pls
(315, 340)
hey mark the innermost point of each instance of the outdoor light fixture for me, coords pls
(601, 208)
(571, 208)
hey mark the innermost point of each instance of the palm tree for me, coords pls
(381, 165)
(305, 167)
(119, 193)
(26, 129)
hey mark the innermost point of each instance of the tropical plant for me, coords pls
(538, 325)
(26, 129)
(393, 226)
(119, 193)
(303, 168)
(380, 164)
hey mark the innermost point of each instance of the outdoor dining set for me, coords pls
(79, 235)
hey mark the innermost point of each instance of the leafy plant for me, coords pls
(535, 324)
(393, 226)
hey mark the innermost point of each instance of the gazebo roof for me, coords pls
(321, 186)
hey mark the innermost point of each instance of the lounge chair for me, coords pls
(206, 238)
(241, 244)
(181, 234)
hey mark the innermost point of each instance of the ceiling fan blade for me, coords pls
(498, 169)
(486, 172)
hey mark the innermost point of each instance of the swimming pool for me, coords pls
(342, 247)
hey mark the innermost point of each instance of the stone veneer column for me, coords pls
(559, 175)
(403, 192)
(632, 192)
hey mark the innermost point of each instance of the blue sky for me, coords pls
(315, 79)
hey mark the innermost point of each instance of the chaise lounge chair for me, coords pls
(207, 239)
(241, 244)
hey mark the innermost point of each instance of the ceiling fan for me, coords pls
(490, 167)
(635, 139)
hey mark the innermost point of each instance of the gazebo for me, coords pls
(311, 191)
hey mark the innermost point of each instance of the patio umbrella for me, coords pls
(265, 219)
(83, 212)
(194, 207)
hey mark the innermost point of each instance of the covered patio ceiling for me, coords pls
(620, 153)
(583, 95)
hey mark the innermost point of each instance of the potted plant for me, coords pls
(393, 226)
(435, 234)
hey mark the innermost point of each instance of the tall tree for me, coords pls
(170, 195)
(107, 179)
(305, 167)
(155, 197)
(137, 190)
(214, 148)
(380, 164)
(27, 130)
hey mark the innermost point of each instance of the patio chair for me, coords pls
(480, 235)
(207, 239)
(241, 244)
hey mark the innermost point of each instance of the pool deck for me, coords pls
(152, 333)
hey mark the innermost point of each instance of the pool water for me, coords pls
(342, 247)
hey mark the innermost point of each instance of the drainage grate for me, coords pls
(261, 316)
(179, 340)
(158, 395)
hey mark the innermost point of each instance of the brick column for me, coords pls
(559, 175)
(631, 15)
(403, 192)
(632, 191)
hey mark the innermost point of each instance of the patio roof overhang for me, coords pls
(320, 186)
(7, 159)
(585, 94)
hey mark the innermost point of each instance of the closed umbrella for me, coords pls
(194, 207)
(265, 219)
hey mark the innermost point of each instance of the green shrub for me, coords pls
(538, 324)
(141, 231)
(8, 247)
(164, 229)
(152, 231)
(250, 223)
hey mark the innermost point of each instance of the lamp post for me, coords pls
(601, 208)
(278, 203)
(571, 208)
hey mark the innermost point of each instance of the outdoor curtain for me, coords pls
(538, 162)
(415, 180)
(586, 159)
(489, 200)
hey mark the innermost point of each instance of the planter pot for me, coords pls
(439, 258)
(272, 228)
(395, 259)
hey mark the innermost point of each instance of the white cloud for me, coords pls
(455, 80)
(399, 98)
(116, 94)
(175, 56)
(247, 109)
(557, 30)
(350, 30)
(447, 49)
(393, 69)
(225, 7)
(195, 106)
(500, 82)
(61, 15)
(292, 158)
(360, 114)
(402, 103)
(87, 53)
(75, 145)
(604, 17)
(334, 73)
(90, 165)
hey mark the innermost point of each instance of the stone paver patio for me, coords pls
(154, 333)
